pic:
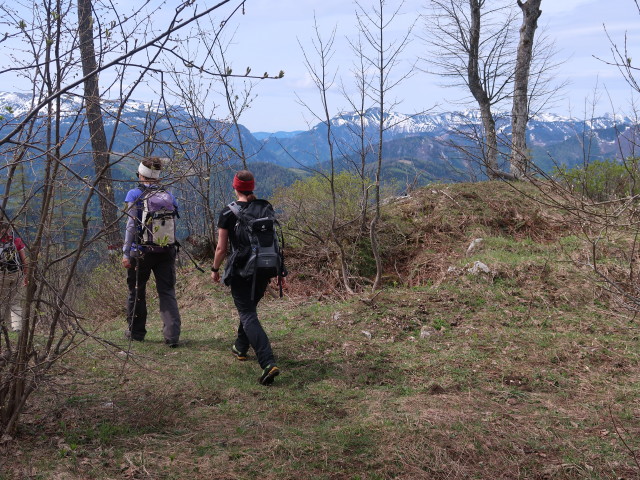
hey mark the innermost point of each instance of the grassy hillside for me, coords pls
(524, 372)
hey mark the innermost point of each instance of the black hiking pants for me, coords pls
(163, 266)
(250, 331)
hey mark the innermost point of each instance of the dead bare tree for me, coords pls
(324, 78)
(382, 56)
(27, 356)
(471, 44)
(363, 147)
(376, 60)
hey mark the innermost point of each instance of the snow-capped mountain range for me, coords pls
(417, 143)
(399, 124)
(426, 138)
(19, 104)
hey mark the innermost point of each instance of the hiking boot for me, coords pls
(238, 354)
(269, 374)
(127, 335)
(171, 343)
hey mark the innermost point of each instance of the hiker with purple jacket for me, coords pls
(150, 246)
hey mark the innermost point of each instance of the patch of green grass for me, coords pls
(102, 433)
(439, 323)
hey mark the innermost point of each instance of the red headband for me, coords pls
(243, 185)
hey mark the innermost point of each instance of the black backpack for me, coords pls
(9, 257)
(260, 243)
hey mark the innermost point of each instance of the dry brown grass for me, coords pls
(530, 372)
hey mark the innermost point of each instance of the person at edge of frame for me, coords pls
(13, 269)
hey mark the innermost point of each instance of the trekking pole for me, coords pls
(198, 267)
(132, 312)
(283, 269)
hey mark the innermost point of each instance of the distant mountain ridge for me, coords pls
(278, 134)
(423, 144)
(415, 146)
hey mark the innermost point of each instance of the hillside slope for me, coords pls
(525, 371)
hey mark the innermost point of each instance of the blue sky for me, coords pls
(268, 34)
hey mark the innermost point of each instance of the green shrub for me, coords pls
(603, 179)
(306, 204)
(307, 217)
(364, 264)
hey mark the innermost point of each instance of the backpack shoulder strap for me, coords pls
(140, 199)
(263, 202)
(235, 208)
(144, 192)
(141, 203)
(149, 190)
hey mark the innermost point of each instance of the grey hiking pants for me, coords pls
(163, 266)
(250, 331)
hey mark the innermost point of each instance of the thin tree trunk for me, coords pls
(373, 229)
(520, 110)
(479, 93)
(490, 150)
(96, 124)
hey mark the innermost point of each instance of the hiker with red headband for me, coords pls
(249, 268)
